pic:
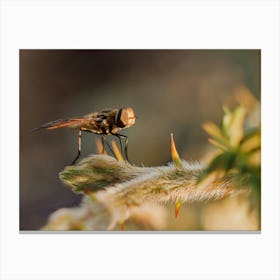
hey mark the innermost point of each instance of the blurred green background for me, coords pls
(169, 90)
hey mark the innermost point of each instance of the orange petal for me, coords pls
(177, 208)
(174, 154)
(116, 151)
(99, 147)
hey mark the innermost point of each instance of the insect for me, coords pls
(106, 122)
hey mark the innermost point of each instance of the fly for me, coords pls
(106, 122)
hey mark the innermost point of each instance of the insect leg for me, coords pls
(120, 136)
(121, 145)
(79, 147)
(104, 141)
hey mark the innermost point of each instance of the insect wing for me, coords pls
(77, 122)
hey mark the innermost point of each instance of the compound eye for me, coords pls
(125, 117)
(122, 118)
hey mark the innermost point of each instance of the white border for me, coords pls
(153, 24)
